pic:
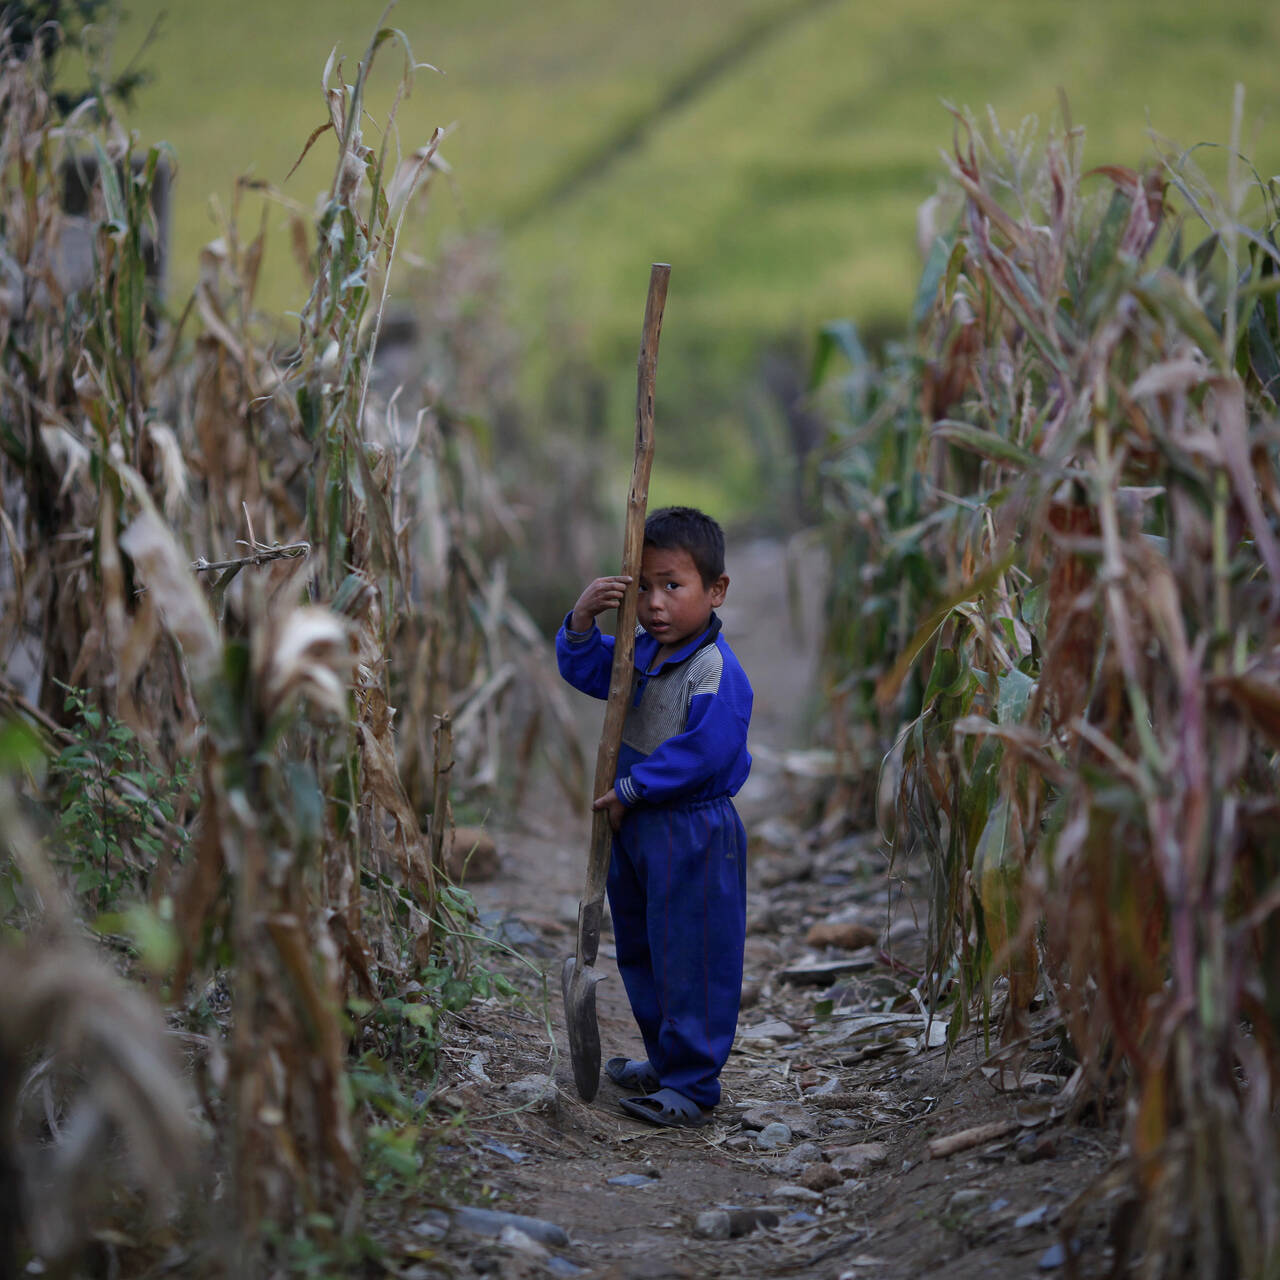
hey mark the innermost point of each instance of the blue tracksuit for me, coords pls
(677, 879)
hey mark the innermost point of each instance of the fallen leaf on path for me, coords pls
(848, 935)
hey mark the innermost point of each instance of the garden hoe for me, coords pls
(579, 977)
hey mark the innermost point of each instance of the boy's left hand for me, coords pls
(613, 806)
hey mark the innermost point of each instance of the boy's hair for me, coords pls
(688, 529)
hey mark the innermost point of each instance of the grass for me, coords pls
(782, 184)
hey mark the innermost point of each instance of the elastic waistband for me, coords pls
(711, 802)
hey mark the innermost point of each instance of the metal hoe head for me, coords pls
(579, 988)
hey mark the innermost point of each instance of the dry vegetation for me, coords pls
(255, 615)
(1056, 602)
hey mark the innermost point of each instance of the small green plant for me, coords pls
(119, 815)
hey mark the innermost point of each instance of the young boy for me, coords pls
(677, 878)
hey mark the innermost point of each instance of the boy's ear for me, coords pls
(718, 590)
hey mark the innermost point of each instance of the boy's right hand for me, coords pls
(602, 594)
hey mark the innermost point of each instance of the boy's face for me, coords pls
(675, 604)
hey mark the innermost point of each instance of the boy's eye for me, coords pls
(673, 586)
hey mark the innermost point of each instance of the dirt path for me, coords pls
(842, 1069)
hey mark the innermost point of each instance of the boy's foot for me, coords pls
(667, 1108)
(631, 1073)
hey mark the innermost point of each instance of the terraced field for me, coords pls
(774, 151)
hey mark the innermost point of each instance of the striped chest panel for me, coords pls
(663, 709)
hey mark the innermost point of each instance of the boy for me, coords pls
(677, 878)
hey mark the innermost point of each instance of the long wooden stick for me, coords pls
(625, 644)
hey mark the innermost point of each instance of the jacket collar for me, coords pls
(647, 646)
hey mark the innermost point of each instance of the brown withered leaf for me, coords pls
(303, 959)
(309, 656)
(847, 935)
(198, 896)
(167, 574)
(1257, 692)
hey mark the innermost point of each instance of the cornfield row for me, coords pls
(1054, 525)
(225, 560)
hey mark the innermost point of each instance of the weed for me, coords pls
(119, 816)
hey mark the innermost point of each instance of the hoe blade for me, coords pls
(579, 987)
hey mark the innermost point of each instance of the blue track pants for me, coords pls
(678, 894)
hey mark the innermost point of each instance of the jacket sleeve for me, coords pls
(585, 658)
(714, 737)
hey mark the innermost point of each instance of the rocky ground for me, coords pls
(850, 1142)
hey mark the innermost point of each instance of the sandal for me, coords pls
(631, 1073)
(667, 1108)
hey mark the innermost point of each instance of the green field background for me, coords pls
(773, 151)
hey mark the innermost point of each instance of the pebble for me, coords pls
(777, 871)
(1052, 1258)
(1038, 1147)
(766, 920)
(522, 1241)
(792, 1114)
(797, 1159)
(712, 1225)
(774, 835)
(773, 1136)
(830, 1086)
(509, 929)
(789, 1191)
(630, 1180)
(1033, 1217)
(857, 1159)
(800, 1218)
(501, 1149)
(434, 1225)
(537, 1091)
(966, 1200)
(492, 1222)
(726, 1224)
(820, 1176)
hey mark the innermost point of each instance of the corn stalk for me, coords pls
(262, 583)
(1091, 766)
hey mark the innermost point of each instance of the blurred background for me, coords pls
(775, 152)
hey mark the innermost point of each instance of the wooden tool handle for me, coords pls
(632, 547)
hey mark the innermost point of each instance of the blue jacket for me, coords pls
(685, 735)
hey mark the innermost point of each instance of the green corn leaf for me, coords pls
(889, 684)
(987, 444)
(839, 337)
(1165, 294)
(935, 269)
(1263, 357)
(1016, 689)
(112, 195)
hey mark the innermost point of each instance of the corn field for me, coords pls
(1053, 519)
(257, 639)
